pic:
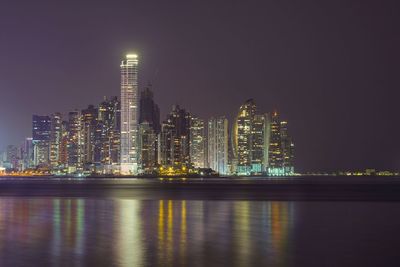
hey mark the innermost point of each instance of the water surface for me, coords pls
(124, 226)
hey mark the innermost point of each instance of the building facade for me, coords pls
(174, 139)
(197, 143)
(109, 124)
(129, 114)
(55, 140)
(41, 129)
(75, 142)
(218, 145)
(147, 148)
(243, 137)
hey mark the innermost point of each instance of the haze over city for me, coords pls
(329, 68)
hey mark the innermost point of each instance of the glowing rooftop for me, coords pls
(131, 56)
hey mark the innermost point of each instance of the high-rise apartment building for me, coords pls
(174, 138)
(75, 142)
(55, 139)
(27, 153)
(261, 143)
(218, 145)
(287, 149)
(12, 156)
(197, 142)
(109, 124)
(149, 110)
(41, 129)
(149, 128)
(129, 114)
(281, 148)
(90, 135)
(275, 145)
(64, 144)
(147, 148)
(243, 137)
(257, 143)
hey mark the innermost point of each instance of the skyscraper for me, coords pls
(218, 144)
(256, 139)
(275, 146)
(75, 142)
(149, 128)
(64, 144)
(257, 144)
(109, 124)
(287, 149)
(12, 156)
(149, 110)
(243, 137)
(129, 114)
(147, 148)
(41, 128)
(89, 134)
(267, 141)
(55, 139)
(197, 142)
(27, 153)
(175, 138)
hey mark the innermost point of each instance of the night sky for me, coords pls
(330, 67)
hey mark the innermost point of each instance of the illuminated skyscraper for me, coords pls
(242, 140)
(27, 153)
(89, 134)
(218, 145)
(55, 139)
(129, 114)
(287, 149)
(147, 148)
(275, 146)
(149, 111)
(257, 144)
(149, 128)
(75, 142)
(64, 144)
(197, 143)
(267, 141)
(174, 138)
(12, 156)
(109, 120)
(41, 128)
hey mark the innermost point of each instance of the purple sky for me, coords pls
(330, 68)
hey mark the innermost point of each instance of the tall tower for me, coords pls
(55, 139)
(197, 142)
(175, 138)
(75, 141)
(275, 146)
(149, 110)
(129, 114)
(243, 137)
(41, 128)
(218, 144)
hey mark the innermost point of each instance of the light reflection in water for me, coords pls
(129, 242)
(124, 232)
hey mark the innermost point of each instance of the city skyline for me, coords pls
(129, 80)
(125, 136)
(329, 79)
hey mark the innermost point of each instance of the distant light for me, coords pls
(130, 56)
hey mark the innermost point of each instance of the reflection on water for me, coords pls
(83, 232)
(56, 231)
